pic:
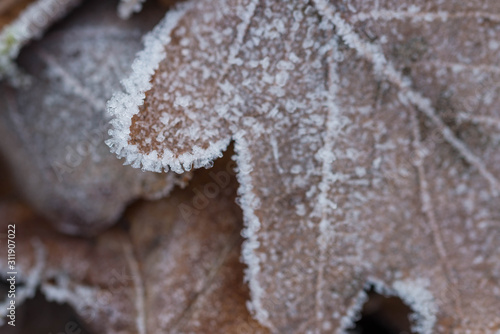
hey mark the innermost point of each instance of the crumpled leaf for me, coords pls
(367, 145)
(24, 20)
(53, 130)
(162, 271)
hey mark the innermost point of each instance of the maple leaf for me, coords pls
(367, 148)
(159, 271)
(53, 129)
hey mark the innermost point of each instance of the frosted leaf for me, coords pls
(367, 147)
(53, 130)
(23, 21)
(67, 269)
(127, 7)
(171, 271)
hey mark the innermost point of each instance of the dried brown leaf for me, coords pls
(10, 10)
(367, 144)
(53, 130)
(163, 270)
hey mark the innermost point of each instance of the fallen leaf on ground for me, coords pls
(53, 130)
(162, 269)
(10, 10)
(367, 146)
(23, 21)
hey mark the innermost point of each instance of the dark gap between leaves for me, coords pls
(383, 315)
(39, 316)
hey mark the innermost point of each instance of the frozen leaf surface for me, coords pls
(367, 144)
(22, 21)
(162, 271)
(53, 130)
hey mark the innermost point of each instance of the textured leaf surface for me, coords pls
(22, 21)
(367, 144)
(53, 130)
(160, 271)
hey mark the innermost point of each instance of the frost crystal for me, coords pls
(127, 7)
(416, 294)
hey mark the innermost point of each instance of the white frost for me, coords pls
(30, 24)
(124, 105)
(415, 293)
(249, 202)
(127, 7)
